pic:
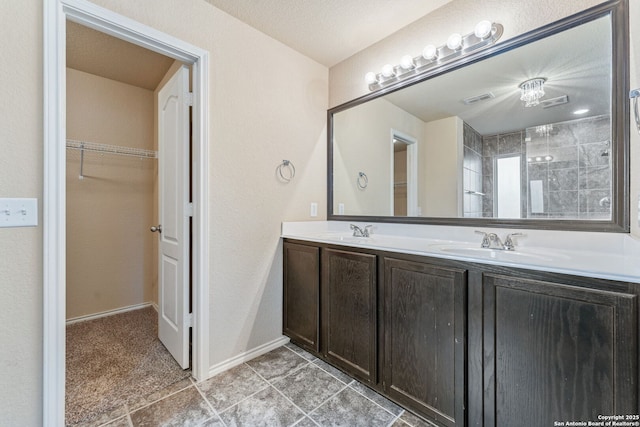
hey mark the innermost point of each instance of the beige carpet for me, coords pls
(113, 360)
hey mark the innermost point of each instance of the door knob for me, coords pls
(157, 228)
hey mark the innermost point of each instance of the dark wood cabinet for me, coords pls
(462, 343)
(557, 352)
(349, 303)
(424, 329)
(301, 292)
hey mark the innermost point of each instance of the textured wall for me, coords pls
(110, 251)
(21, 248)
(268, 103)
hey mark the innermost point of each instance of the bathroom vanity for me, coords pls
(458, 333)
(465, 340)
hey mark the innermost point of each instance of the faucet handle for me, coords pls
(509, 244)
(367, 230)
(359, 232)
(485, 239)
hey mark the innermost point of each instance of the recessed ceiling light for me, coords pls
(581, 111)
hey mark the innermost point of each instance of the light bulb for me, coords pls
(430, 52)
(454, 42)
(370, 78)
(407, 62)
(538, 159)
(482, 29)
(548, 158)
(388, 71)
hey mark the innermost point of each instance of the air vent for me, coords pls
(554, 102)
(479, 98)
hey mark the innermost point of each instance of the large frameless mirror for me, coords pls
(532, 132)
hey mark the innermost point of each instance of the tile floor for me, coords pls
(284, 387)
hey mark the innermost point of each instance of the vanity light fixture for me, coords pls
(407, 62)
(482, 29)
(430, 52)
(484, 34)
(454, 42)
(388, 71)
(531, 91)
(539, 159)
(371, 78)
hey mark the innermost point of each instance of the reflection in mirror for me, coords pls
(484, 141)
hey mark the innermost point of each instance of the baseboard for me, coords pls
(247, 355)
(111, 312)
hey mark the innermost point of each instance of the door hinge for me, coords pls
(190, 320)
(190, 99)
(189, 209)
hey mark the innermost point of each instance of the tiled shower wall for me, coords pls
(574, 184)
(472, 173)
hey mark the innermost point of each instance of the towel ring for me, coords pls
(286, 170)
(635, 94)
(363, 181)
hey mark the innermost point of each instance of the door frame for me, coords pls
(412, 171)
(55, 14)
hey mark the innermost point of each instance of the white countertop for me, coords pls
(614, 256)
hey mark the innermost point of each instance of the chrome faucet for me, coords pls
(492, 241)
(359, 232)
(509, 244)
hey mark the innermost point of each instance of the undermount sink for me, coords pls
(500, 255)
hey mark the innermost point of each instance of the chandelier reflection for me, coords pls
(531, 91)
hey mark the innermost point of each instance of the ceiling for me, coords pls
(328, 31)
(103, 55)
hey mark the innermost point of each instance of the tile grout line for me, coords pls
(215, 413)
(304, 413)
(249, 396)
(326, 400)
(396, 419)
(129, 411)
(350, 385)
(376, 403)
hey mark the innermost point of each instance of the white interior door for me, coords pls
(174, 212)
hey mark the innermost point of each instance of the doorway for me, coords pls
(56, 12)
(114, 93)
(404, 174)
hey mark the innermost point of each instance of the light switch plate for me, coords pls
(18, 212)
(314, 209)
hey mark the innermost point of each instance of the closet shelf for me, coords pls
(111, 149)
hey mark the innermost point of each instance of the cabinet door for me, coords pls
(556, 352)
(349, 313)
(424, 328)
(301, 294)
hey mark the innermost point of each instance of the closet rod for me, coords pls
(111, 149)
